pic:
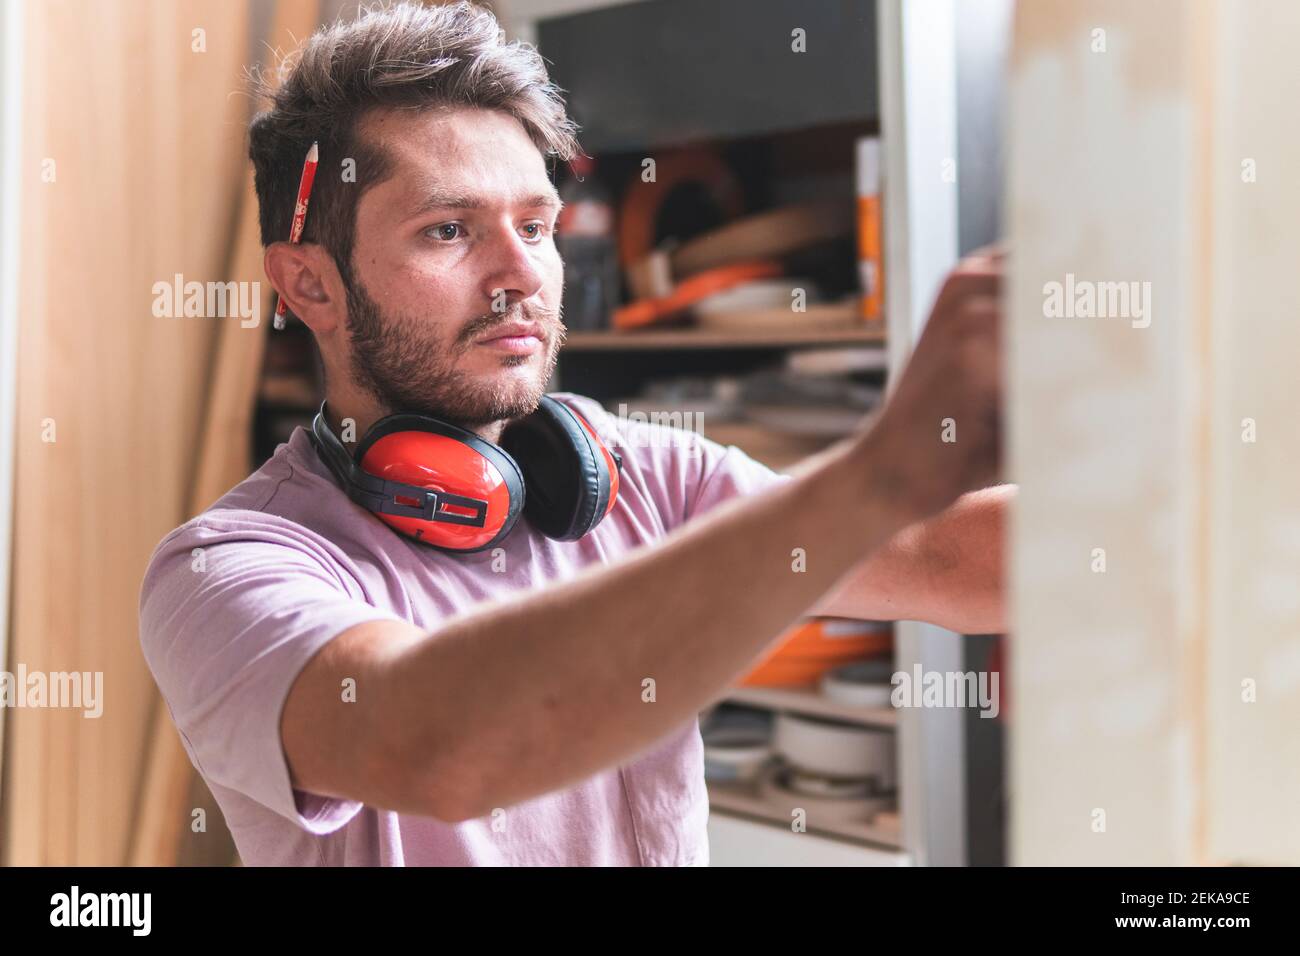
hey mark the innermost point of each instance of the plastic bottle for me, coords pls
(870, 267)
(586, 242)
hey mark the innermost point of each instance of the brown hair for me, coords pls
(405, 56)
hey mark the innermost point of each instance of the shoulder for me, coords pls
(274, 504)
(270, 526)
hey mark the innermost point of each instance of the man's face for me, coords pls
(454, 309)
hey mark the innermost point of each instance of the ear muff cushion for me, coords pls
(425, 452)
(565, 470)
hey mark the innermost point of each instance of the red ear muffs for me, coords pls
(480, 488)
(450, 489)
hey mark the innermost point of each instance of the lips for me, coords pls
(513, 330)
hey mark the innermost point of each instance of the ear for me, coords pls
(305, 276)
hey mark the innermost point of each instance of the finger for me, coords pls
(962, 284)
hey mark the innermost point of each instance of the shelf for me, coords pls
(799, 700)
(746, 801)
(739, 840)
(688, 338)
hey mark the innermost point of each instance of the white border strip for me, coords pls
(11, 124)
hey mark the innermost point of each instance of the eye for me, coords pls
(539, 229)
(436, 232)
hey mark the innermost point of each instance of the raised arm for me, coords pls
(948, 570)
(516, 699)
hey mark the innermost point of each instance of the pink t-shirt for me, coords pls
(237, 600)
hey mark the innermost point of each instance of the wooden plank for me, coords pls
(1166, 690)
(95, 362)
(1105, 432)
(1252, 759)
(223, 462)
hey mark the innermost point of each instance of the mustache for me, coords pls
(548, 319)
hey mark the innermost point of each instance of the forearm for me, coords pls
(948, 570)
(526, 697)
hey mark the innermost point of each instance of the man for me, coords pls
(352, 696)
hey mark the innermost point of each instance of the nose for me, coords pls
(516, 270)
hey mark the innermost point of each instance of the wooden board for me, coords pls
(765, 235)
(123, 389)
(1155, 697)
(222, 462)
(817, 318)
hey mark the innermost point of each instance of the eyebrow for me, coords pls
(439, 198)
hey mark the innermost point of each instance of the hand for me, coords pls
(939, 435)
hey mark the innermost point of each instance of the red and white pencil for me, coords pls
(299, 217)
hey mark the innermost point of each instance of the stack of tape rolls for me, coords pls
(837, 772)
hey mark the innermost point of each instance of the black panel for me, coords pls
(986, 768)
(666, 72)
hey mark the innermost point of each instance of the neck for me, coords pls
(491, 432)
(362, 412)
(350, 415)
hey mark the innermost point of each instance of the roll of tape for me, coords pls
(836, 749)
(864, 684)
(774, 789)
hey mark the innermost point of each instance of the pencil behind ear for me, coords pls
(300, 214)
(304, 277)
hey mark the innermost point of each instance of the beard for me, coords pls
(406, 368)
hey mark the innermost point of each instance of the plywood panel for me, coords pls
(1166, 690)
(1104, 434)
(166, 794)
(145, 138)
(1253, 748)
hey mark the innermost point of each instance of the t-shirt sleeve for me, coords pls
(229, 615)
(728, 472)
